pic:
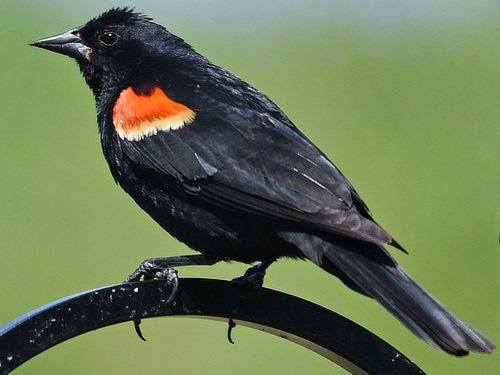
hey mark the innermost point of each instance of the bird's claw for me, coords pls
(172, 279)
(230, 325)
(137, 326)
(148, 271)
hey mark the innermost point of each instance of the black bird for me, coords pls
(219, 166)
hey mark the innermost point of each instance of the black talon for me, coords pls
(137, 327)
(231, 324)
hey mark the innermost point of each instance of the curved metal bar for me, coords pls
(314, 327)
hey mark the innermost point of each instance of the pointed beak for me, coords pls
(68, 43)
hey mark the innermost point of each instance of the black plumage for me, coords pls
(239, 181)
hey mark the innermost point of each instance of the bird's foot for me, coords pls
(149, 270)
(156, 268)
(253, 276)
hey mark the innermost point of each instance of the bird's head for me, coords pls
(119, 46)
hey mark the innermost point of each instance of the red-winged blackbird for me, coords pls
(219, 166)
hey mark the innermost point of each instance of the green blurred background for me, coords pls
(402, 96)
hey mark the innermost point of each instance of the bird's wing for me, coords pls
(258, 166)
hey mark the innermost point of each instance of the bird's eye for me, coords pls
(108, 38)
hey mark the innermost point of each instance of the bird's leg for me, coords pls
(162, 268)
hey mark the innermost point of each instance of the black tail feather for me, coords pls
(369, 269)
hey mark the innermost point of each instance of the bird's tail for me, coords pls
(369, 269)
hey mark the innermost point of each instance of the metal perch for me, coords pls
(314, 327)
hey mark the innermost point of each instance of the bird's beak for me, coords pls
(69, 43)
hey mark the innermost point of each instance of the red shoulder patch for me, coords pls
(139, 115)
